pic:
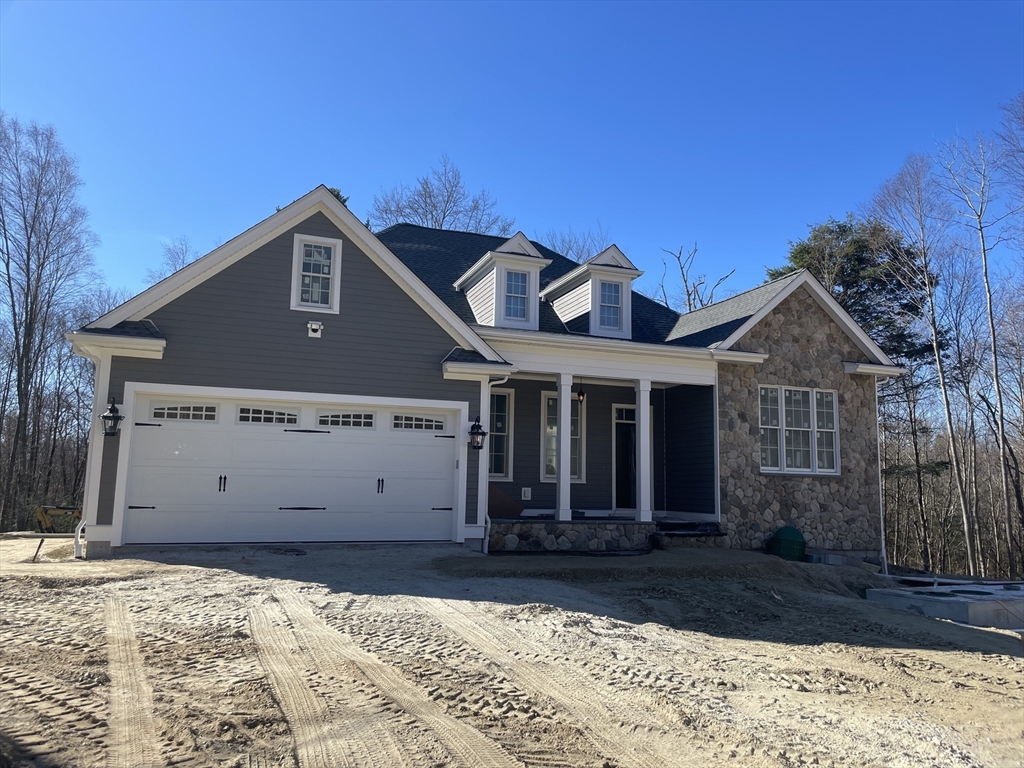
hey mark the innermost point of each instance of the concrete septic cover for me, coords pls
(995, 605)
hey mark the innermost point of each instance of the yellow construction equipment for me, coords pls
(47, 518)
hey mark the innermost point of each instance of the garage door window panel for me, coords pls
(265, 415)
(178, 412)
(355, 420)
(417, 423)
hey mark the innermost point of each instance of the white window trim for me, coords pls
(625, 329)
(524, 296)
(299, 240)
(545, 478)
(532, 300)
(782, 469)
(509, 436)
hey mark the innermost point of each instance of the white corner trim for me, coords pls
(298, 242)
(94, 345)
(319, 200)
(831, 307)
(869, 369)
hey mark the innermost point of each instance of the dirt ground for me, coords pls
(387, 656)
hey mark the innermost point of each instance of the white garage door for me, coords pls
(206, 470)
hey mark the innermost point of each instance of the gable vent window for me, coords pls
(403, 421)
(346, 420)
(186, 412)
(799, 431)
(266, 416)
(611, 305)
(516, 295)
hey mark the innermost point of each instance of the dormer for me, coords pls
(503, 286)
(596, 297)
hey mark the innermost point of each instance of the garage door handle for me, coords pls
(446, 437)
(311, 431)
(132, 506)
(299, 508)
(146, 424)
(222, 483)
(380, 485)
(442, 509)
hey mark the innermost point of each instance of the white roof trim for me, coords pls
(867, 369)
(509, 259)
(613, 257)
(320, 199)
(601, 343)
(452, 368)
(582, 273)
(520, 244)
(89, 345)
(831, 307)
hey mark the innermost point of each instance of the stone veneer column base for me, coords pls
(522, 535)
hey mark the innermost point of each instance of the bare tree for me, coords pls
(1011, 164)
(968, 179)
(439, 200)
(177, 254)
(696, 292)
(45, 249)
(578, 245)
(912, 204)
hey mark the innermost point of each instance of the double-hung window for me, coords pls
(516, 295)
(315, 274)
(549, 430)
(500, 438)
(611, 306)
(798, 430)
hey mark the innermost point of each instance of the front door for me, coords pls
(625, 457)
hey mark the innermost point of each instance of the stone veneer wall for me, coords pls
(577, 536)
(840, 512)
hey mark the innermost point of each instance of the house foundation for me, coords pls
(517, 535)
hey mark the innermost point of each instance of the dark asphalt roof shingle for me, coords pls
(458, 355)
(440, 256)
(139, 329)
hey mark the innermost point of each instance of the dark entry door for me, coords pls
(625, 465)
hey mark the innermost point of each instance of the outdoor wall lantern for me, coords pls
(111, 420)
(581, 395)
(477, 435)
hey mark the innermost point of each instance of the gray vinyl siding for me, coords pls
(237, 330)
(596, 492)
(481, 298)
(690, 449)
(573, 304)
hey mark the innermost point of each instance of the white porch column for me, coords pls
(643, 451)
(483, 474)
(564, 463)
(94, 456)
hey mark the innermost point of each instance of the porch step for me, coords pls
(678, 528)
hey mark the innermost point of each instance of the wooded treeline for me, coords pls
(931, 267)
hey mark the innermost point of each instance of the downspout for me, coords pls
(881, 493)
(487, 511)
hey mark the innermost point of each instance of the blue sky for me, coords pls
(731, 124)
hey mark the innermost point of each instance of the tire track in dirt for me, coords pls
(133, 742)
(470, 746)
(599, 714)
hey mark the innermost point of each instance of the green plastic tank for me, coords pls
(788, 543)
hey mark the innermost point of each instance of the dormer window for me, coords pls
(503, 287)
(516, 296)
(611, 306)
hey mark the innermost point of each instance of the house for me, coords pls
(312, 381)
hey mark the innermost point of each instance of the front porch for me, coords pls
(639, 452)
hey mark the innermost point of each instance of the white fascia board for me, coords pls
(520, 244)
(494, 257)
(830, 305)
(868, 369)
(93, 345)
(319, 200)
(570, 280)
(581, 341)
(477, 370)
(732, 356)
